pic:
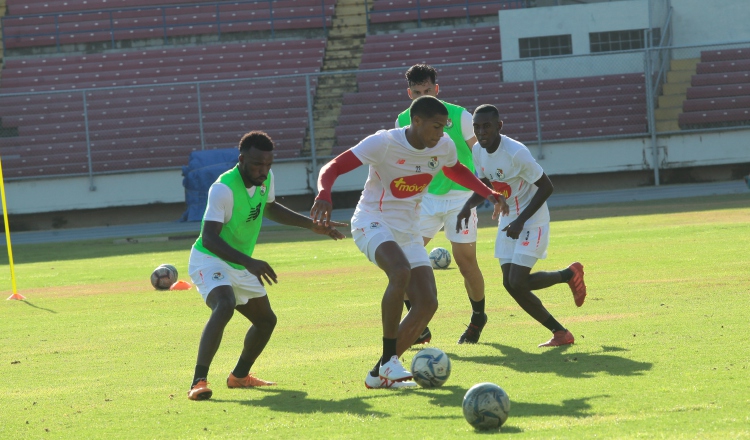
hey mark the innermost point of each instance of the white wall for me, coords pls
(702, 22)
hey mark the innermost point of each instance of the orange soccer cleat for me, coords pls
(577, 285)
(200, 391)
(561, 337)
(248, 381)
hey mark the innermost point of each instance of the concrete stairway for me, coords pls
(343, 53)
(674, 93)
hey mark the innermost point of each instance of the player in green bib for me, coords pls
(445, 198)
(222, 266)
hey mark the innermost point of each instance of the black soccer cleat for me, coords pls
(472, 333)
(424, 338)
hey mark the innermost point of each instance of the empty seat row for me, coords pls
(385, 11)
(719, 92)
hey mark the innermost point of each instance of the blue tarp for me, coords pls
(204, 167)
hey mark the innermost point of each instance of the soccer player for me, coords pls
(385, 224)
(444, 199)
(523, 236)
(221, 264)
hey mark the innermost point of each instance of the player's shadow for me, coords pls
(559, 362)
(37, 307)
(294, 401)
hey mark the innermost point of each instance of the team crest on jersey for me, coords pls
(374, 225)
(433, 163)
(499, 173)
(217, 276)
(449, 124)
(263, 190)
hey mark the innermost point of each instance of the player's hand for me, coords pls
(321, 212)
(329, 230)
(462, 219)
(262, 270)
(514, 229)
(501, 206)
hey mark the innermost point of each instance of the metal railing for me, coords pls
(107, 24)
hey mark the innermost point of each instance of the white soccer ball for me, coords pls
(486, 406)
(163, 277)
(431, 367)
(440, 258)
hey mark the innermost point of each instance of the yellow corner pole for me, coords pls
(15, 295)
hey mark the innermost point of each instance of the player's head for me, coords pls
(256, 157)
(487, 125)
(428, 118)
(422, 79)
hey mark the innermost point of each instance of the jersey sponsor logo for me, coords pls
(401, 161)
(503, 188)
(408, 186)
(433, 163)
(499, 173)
(525, 243)
(254, 212)
(217, 276)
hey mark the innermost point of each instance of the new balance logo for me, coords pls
(254, 213)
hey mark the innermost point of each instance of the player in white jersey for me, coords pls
(385, 225)
(523, 235)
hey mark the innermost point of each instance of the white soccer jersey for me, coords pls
(221, 201)
(512, 171)
(399, 175)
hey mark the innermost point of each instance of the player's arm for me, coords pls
(467, 129)
(461, 175)
(341, 164)
(214, 243)
(281, 214)
(544, 190)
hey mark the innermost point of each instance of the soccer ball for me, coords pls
(440, 258)
(486, 406)
(431, 367)
(163, 277)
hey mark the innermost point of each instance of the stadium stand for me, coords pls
(386, 11)
(568, 108)
(45, 23)
(154, 123)
(719, 94)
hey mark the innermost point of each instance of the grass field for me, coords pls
(661, 349)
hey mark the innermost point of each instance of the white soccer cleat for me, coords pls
(393, 371)
(372, 382)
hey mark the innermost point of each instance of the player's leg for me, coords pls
(572, 275)
(423, 296)
(258, 311)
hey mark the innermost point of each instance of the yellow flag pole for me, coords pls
(15, 295)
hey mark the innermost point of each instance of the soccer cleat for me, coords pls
(561, 337)
(248, 381)
(471, 335)
(200, 391)
(372, 382)
(577, 286)
(393, 370)
(424, 338)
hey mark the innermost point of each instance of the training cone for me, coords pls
(181, 285)
(17, 296)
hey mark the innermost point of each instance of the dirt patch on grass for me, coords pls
(87, 289)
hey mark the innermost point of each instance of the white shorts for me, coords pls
(209, 272)
(369, 232)
(531, 246)
(439, 213)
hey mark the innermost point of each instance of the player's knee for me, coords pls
(517, 285)
(267, 324)
(399, 276)
(222, 311)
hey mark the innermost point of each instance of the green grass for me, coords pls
(661, 350)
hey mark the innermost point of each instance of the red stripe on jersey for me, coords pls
(539, 238)
(517, 209)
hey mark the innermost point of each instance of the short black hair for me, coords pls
(256, 139)
(427, 107)
(421, 73)
(487, 108)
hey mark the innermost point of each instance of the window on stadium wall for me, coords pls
(622, 40)
(545, 46)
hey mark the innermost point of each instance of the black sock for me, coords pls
(389, 350)
(566, 275)
(201, 372)
(243, 368)
(552, 324)
(375, 372)
(407, 303)
(477, 316)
